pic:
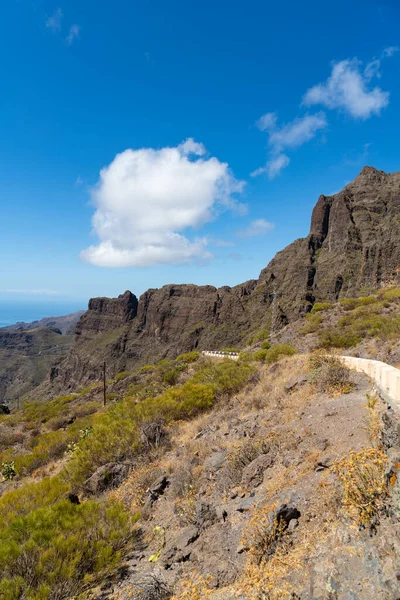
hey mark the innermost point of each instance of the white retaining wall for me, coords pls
(386, 378)
(231, 355)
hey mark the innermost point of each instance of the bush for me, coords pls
(362, 477)
(261, 335)
(334, 339)
(313, 323)
(390, 294)
(320, 306)
(263, 533)
(265, 346)
(276, 352)
(146, 368)
(52, 550)
(329, 374)
(226, 376)
(122, 375)
(259, 355)
(41, 412)
(189, 357)
(352, 303)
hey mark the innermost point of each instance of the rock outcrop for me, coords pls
(353, 244)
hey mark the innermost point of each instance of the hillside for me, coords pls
(28, 351)
(352, 248)
(267, 479)
(26, 357)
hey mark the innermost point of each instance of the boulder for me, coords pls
(214, 462)
(285, 513)
(206, 514)
(253, 474)
(106, 477)
(295, 381)
(178, 548)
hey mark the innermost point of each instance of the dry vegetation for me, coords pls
(170, 420)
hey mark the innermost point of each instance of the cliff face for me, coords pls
(353, 244)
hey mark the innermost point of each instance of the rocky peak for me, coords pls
(106, 314)
(369, 175)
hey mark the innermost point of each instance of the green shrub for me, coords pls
(369, 321)
(313, 323)
(189, 357)
(261, 335)
(265, 346)
(335, 339)
(352, 303)
(259, 355)
(276, 352)
(226, 376)
(146, 368)
(53, 550)
(320, 306)
(122, 375)
(390, 294)
(40, 412)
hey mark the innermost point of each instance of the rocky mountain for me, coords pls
(353, 244)
(66, 323)
(26, 357)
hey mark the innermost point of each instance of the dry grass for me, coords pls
(373, 421)
(362, 478)
(269, 392)
(132, 492)
(195, 587)
(329, 374)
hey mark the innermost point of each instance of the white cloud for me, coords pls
(347, 88)
(276, 164)
(289, 136)
(147, 198)
(297, 132)
(390, 50)
(257, 227)
(267, 121)
(74, 32)
(54, 22)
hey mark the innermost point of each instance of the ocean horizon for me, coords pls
(17, 311)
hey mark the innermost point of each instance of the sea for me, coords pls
(29, 310)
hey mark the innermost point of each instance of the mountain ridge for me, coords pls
(352, 245)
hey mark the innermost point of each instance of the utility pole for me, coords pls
(104, 384)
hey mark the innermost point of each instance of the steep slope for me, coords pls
(353, 244)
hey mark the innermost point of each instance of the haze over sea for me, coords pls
(28, 309)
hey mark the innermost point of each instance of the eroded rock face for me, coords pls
(353, 243)
(106, 314)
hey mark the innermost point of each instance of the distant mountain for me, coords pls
(353, 244)
(66, 324)
(28, 351)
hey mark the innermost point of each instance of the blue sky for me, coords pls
(145, 143)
